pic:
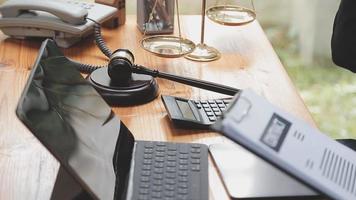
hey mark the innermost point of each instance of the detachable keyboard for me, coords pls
(165, 170)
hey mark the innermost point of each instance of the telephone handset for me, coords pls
(64, 21)
(72, 15)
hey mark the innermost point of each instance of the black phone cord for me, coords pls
(100, 43)
(86, 68)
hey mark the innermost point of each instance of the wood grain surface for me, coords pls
(28, 171)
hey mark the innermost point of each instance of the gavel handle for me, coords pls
(188, 81)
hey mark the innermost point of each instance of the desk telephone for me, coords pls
(64, 21)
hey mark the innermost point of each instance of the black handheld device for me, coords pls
(194, 114)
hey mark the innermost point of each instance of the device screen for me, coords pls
(275, 132)
(186, 110)
(76, 125)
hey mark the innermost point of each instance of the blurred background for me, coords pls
(300, 32)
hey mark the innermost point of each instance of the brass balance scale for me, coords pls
(177, 46)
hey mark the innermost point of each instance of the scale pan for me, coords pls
(231, 15)
(167, 46)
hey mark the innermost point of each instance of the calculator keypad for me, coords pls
(213, 108)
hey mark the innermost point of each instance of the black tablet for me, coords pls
(67, 115)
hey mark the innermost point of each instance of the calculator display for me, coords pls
(185, 109)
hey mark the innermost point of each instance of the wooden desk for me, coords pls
(28, 171)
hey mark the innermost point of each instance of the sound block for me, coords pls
(140, 89)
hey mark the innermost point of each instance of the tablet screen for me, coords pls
(75, 124)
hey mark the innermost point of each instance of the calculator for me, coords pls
(194, 114)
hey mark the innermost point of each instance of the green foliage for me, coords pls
(328, 91)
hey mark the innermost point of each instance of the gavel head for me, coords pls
(120, 66)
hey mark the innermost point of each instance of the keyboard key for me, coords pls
(184, 149)
(171, 153)
(171, 169)
(183, 185)
(172, 148)
(204, 102)
(212, 118)
(160, 154)
(157, 182)
(146, 167)
(218, 113)
(145, 179)
(211, 101)
(195, 161)
(144, 185)
(207, 109)
(196, 168)
(216, 109)
(198, 105)
(182, 179)
(148, 156)
(195, 156)
(169, 187)
(158, 170)
(157, 188)
(170, 182)
(183, 167)
(183, 156)
(167, 171)
(169, 194)
(182, 173)
(159, 165)
(223, 109)
(156, 194)
(171, 164)
(205, 106)
(210, 113)
(222, 106)
(144, 191)
(213, 105)
(145, 173)
(161, 149)
(171, 158)
(159, 159)
(160, 144)
(149, 145)
(171, 175)
(195, 150)
(158, 176)
(182, 191)
(147, 162)
(183, 162)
